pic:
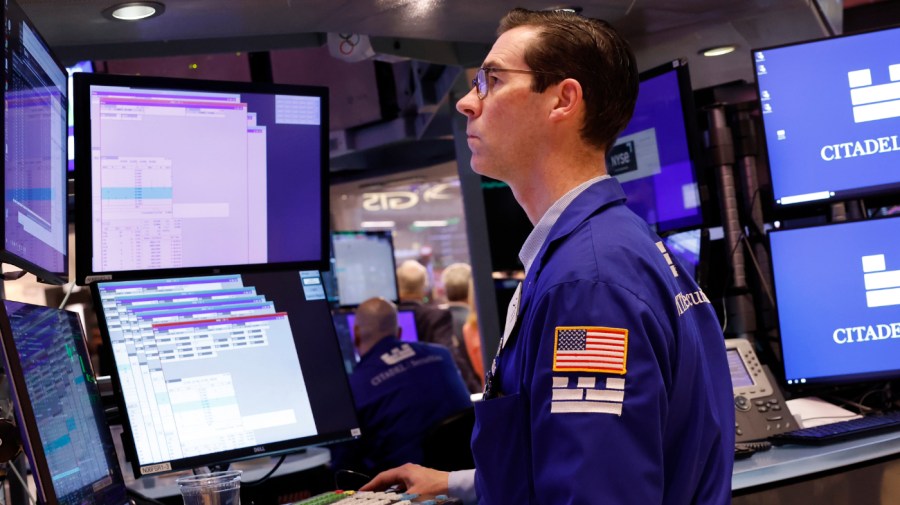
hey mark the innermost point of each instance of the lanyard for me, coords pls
(492, 379)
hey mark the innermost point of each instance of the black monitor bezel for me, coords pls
(41, 273)
(819, 382)
(792, 210)
(82, 82)
(206, 460)
(695, 153)
(24, 411)
(387, 234)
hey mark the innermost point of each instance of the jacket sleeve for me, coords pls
(596, 435)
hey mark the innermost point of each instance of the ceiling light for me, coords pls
(718, 50)
(134, 11)
(377, 224)
(431, 224)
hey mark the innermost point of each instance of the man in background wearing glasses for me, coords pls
(605, 389)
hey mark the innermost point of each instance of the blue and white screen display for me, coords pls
(838, 294)
(831, 110)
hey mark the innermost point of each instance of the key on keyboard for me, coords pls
(837, 432)
(374, 498)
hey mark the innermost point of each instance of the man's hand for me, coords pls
(411, 478)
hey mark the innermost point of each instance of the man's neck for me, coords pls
(546, 182)
(366, 347)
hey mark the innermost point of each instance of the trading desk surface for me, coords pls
(164, 485)
(792, 461)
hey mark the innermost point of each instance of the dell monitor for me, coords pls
(57, 406)
(364, 266)
(831, 113)
(214, 369)
(653, 156)
(837, 291)
(35, 232)
(181, 177)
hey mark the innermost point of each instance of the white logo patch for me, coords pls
(398, 354)
(585, 397)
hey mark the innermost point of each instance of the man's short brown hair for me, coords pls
(591, 52)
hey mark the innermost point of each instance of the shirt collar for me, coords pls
(541, 231)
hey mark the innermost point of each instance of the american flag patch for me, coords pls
(590, 349)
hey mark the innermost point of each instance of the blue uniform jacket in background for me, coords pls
(662, 432)
(401, 390)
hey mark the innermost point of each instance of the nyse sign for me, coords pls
(402, 200)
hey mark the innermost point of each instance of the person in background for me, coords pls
(433, 324)
(457, 281)
(472, 336)
(608, 387)
(401, 390)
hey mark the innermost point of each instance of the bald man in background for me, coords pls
(434, 324)
(401, 390)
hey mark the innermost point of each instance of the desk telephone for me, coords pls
(759, 407)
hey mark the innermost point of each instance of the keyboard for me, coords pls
(837, 432)
(374, 498)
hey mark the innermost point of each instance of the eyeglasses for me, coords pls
(482, 86)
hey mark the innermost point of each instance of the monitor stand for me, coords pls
(163, 485)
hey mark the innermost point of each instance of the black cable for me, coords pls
(728, 279)
(759, 272)
(266, 476)
(885, 389)
(340, 471)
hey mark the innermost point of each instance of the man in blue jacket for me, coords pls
(611, 384)
(401, 390)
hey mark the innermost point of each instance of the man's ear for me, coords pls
(569, 99)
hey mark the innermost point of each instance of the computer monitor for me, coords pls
(686, 247)
(343, 325)
(831, 113)
(220, 368)
(406, 321)
(35, 232)
(81, 66)
(653, 156)
(507, 225)
(364, 266)
(58, 408)
(184, 177)
(837, 290)
(345, 340)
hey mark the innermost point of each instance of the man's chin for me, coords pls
(480, 168)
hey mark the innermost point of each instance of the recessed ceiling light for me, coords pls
(718, 50)
(134, 11)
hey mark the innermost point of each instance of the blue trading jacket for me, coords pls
(639, 409)
(401, 390)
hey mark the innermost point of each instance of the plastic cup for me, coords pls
(217, 488)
